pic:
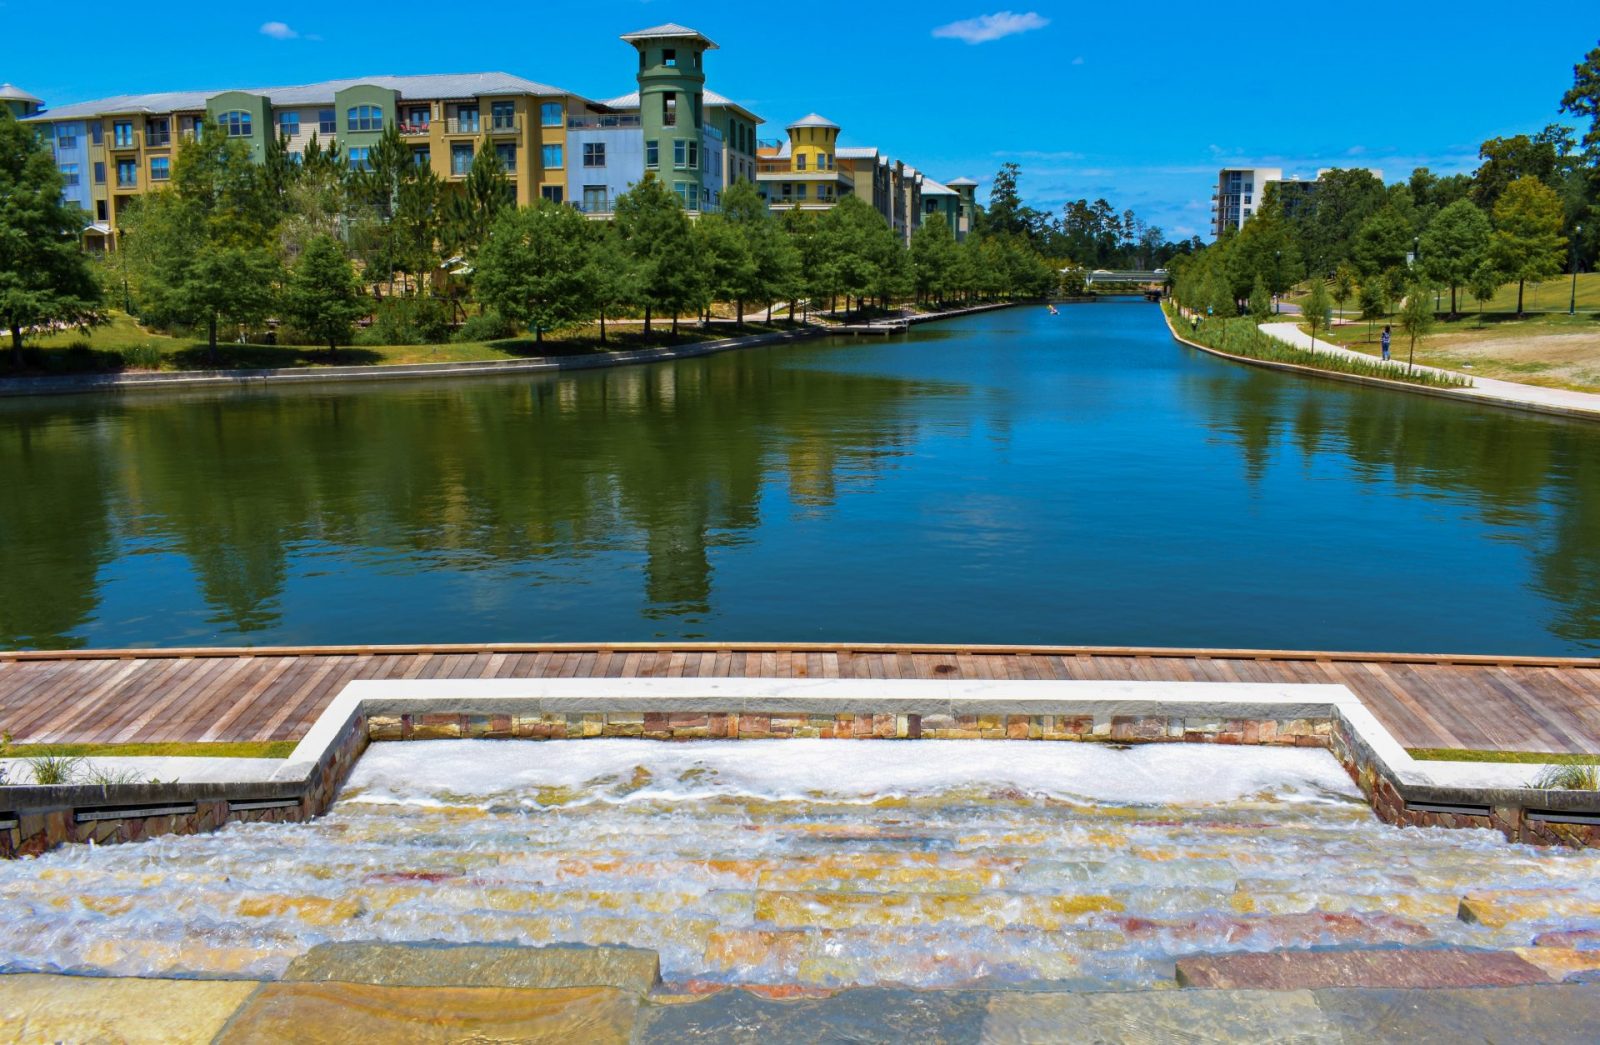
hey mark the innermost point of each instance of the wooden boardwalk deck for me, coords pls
(138, 696)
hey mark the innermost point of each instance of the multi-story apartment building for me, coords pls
(1238, 195)
(553, 143)
(810, 170)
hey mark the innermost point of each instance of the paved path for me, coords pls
(1510, 703)
(1484, 389)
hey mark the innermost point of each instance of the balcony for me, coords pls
(604, 122)
(459, 125)
(157, 139)
(128, 144)
(413, 130)
(593, 206)
(505, 125)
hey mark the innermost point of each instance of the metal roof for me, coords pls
(712, 98)
(434, 85)
(670, 31)
(935, 188)
(813, 120)
(13, 93)
(961, 183)
(856, 152)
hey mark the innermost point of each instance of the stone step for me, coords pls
(1313, 970)
(435, 964)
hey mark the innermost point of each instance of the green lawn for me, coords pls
(121, 344)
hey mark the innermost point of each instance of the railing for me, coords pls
(157, 140)
(456, 125)
(413, 130)
(124, 144)
(603, 122)
(605, 206)
(505, 125)
(711, 132)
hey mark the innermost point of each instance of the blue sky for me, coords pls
(1139, 103)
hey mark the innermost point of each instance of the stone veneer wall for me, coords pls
(45, 817)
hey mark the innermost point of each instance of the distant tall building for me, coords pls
(1238, 195)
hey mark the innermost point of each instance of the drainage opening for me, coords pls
(84, 816)
(1448, 807)
(247, 804)
(1562, 816)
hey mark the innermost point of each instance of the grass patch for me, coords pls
(242, 749)
(1240, 337)
(1451, 754)
(123, 345)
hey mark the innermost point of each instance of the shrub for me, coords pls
(50, 769)
(142, 357)
(407, 321)
(1568, 778)
(487, 325)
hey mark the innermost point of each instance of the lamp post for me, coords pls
(1572, 305)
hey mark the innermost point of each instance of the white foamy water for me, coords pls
(822, 863)
(850, 771)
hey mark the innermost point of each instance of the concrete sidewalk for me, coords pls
(1483, 389)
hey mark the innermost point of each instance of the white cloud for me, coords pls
(278, 31)
(982, 29)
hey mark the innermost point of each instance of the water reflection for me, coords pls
(1009, 478)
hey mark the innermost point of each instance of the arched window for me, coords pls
(364, 118)
(235, 124)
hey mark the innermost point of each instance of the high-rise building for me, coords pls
(1238, 195)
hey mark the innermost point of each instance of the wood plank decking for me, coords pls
(137, 696)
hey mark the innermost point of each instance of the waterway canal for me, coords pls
(1007, 477)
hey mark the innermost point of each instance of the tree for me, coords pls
(1006, 212)
(1260, 302)
(1484, 283)
(730, 270)
(323, 296)
(1383, 242)
(1344, 284)
(531, 270)
(1316, 308)
(43, 275)
(1543, 156)
(203, 245)
(1416, 319)
(609, 277)
(655, 233)
(1527, 239)
(771, 257)
(1583, 99)
(1454, 245)
(471, 213)
(933, 260)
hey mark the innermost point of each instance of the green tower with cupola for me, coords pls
(672, 84)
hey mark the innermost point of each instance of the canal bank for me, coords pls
(79, 384)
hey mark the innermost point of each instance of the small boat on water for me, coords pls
(1052, 309)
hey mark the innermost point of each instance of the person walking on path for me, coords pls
(1385, 341)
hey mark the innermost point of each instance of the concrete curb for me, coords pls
(77, 384)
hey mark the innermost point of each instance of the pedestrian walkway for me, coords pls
(1483, 389)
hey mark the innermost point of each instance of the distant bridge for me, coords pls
(1130, 277)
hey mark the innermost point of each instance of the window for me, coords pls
(326, 122)
(296, 159)
(66, 136)
(97, 132)
(551, 192)
(160, 168)
(551, 113)
(421, 156)
(552, 156)
(357, 158)
(157, 132)
(595, 199)
(799, 161)
(289, 124)
(594, 154)
(460, 157)
(669, 110)
(127, 174)
(503, 116)
(506, 152)
(800, 191)
(122, 134)
(363, 118)
(100, 210)
(69, 175)
(99, 174)
(652, 155)
(235, 124)
(417, 120)
(669, 57)
(680, 154)
(467, 119)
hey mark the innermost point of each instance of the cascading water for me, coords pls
(824, 863)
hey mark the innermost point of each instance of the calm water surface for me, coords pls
(1011, 477)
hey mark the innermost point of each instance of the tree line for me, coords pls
(1526, 214)
(320, 244)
